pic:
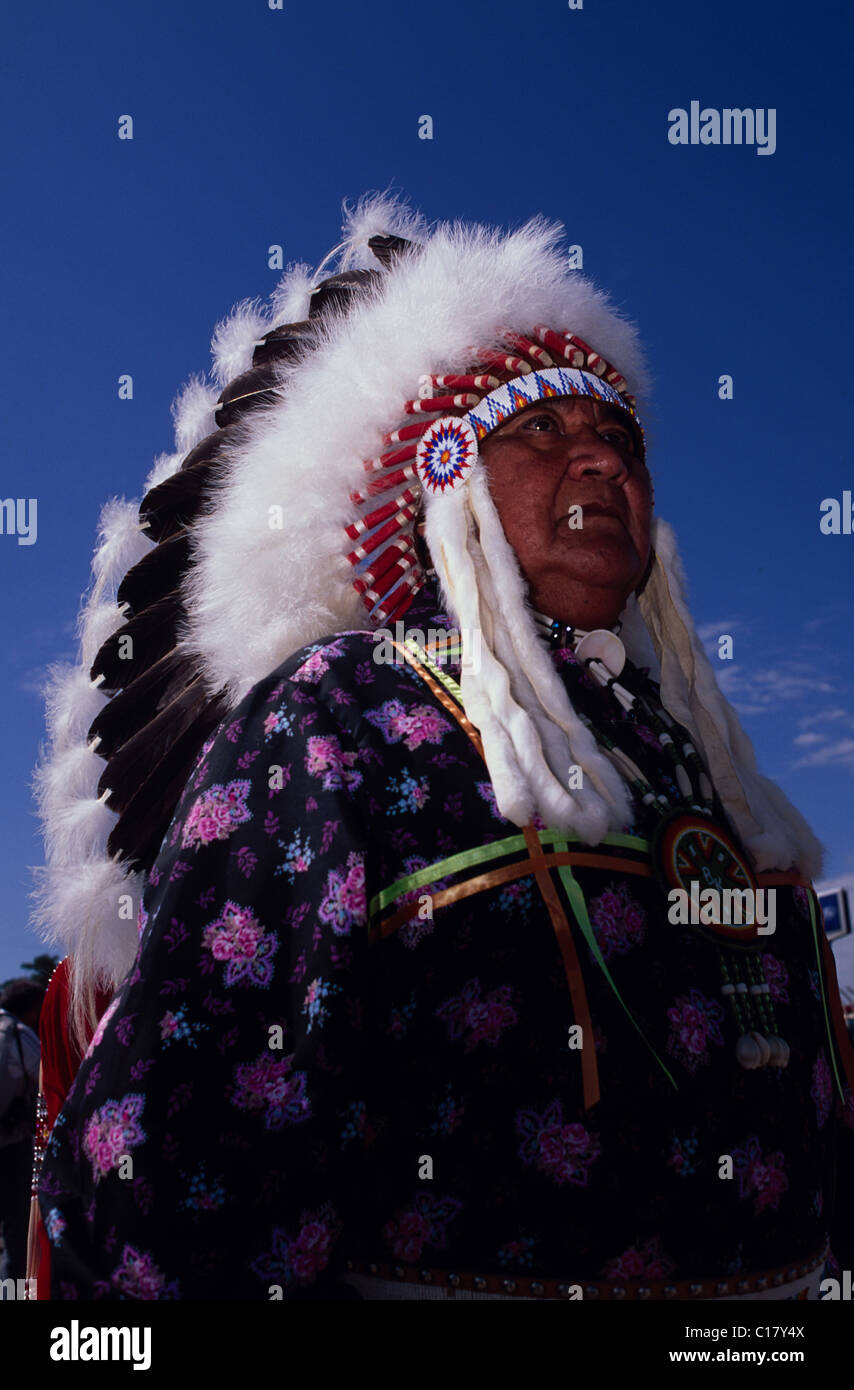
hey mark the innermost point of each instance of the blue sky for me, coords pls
(251, 125)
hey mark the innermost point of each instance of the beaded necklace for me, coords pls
(693, 843)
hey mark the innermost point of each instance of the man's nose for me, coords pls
(590, 455)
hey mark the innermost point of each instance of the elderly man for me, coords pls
(438, 993)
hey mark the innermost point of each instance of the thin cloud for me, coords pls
(839, 754)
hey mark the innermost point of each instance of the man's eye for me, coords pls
(539, 423)
(621, 438)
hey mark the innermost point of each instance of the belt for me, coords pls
(790, 1280)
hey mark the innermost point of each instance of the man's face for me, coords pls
(564, 453)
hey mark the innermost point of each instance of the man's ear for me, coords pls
(647, 572)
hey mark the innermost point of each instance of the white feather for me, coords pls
(121, 543)
(234, 340)
(164, 466)
(289, 301)
(377, 214)
(193, 413)
(72, 703)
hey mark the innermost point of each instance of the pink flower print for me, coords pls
(326, 759)
(111, 1132)
(168, 1026)
(239, 939)
(777, 977)
(763, 1177)
(694, 1024)
(312, 669)
(299, 1261)
(641, 1262)
(424, 1223)
(563, 1152)
(821, 1089)
(420, 724)
(270, 1084)
(344, 904)
(618, 919)
(102, 1026)
(408, 1235)
(310, 1251)
(483, 1019)
(137, 1276)
(802, 901)
(216, 814)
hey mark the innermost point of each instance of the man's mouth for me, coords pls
(591, 509)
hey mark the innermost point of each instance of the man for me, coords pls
(420, 1009)
(20, 1005)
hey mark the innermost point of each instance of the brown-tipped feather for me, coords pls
(131, 764)
(157, 574)
(154, 726)
(288, 343)
(174, 505)
(152, 635)
(131, 709)
(250, 391)
(340, 291)
(139, 831)
(388, 248)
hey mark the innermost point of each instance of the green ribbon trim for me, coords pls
(577, 902)
(827, 1020)
(484, 854)
(442, 676)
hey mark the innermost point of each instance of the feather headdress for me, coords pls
(291, 517)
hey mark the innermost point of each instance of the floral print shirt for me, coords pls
(263, 1094)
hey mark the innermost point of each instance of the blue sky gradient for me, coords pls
(251, 125)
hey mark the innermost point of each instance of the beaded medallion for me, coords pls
(693, 853)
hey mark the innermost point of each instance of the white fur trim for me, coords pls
(770, 826)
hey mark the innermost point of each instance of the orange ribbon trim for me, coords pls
(492, 877)
(443, 697)
(571, 965)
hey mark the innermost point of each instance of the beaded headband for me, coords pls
(437, 453)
